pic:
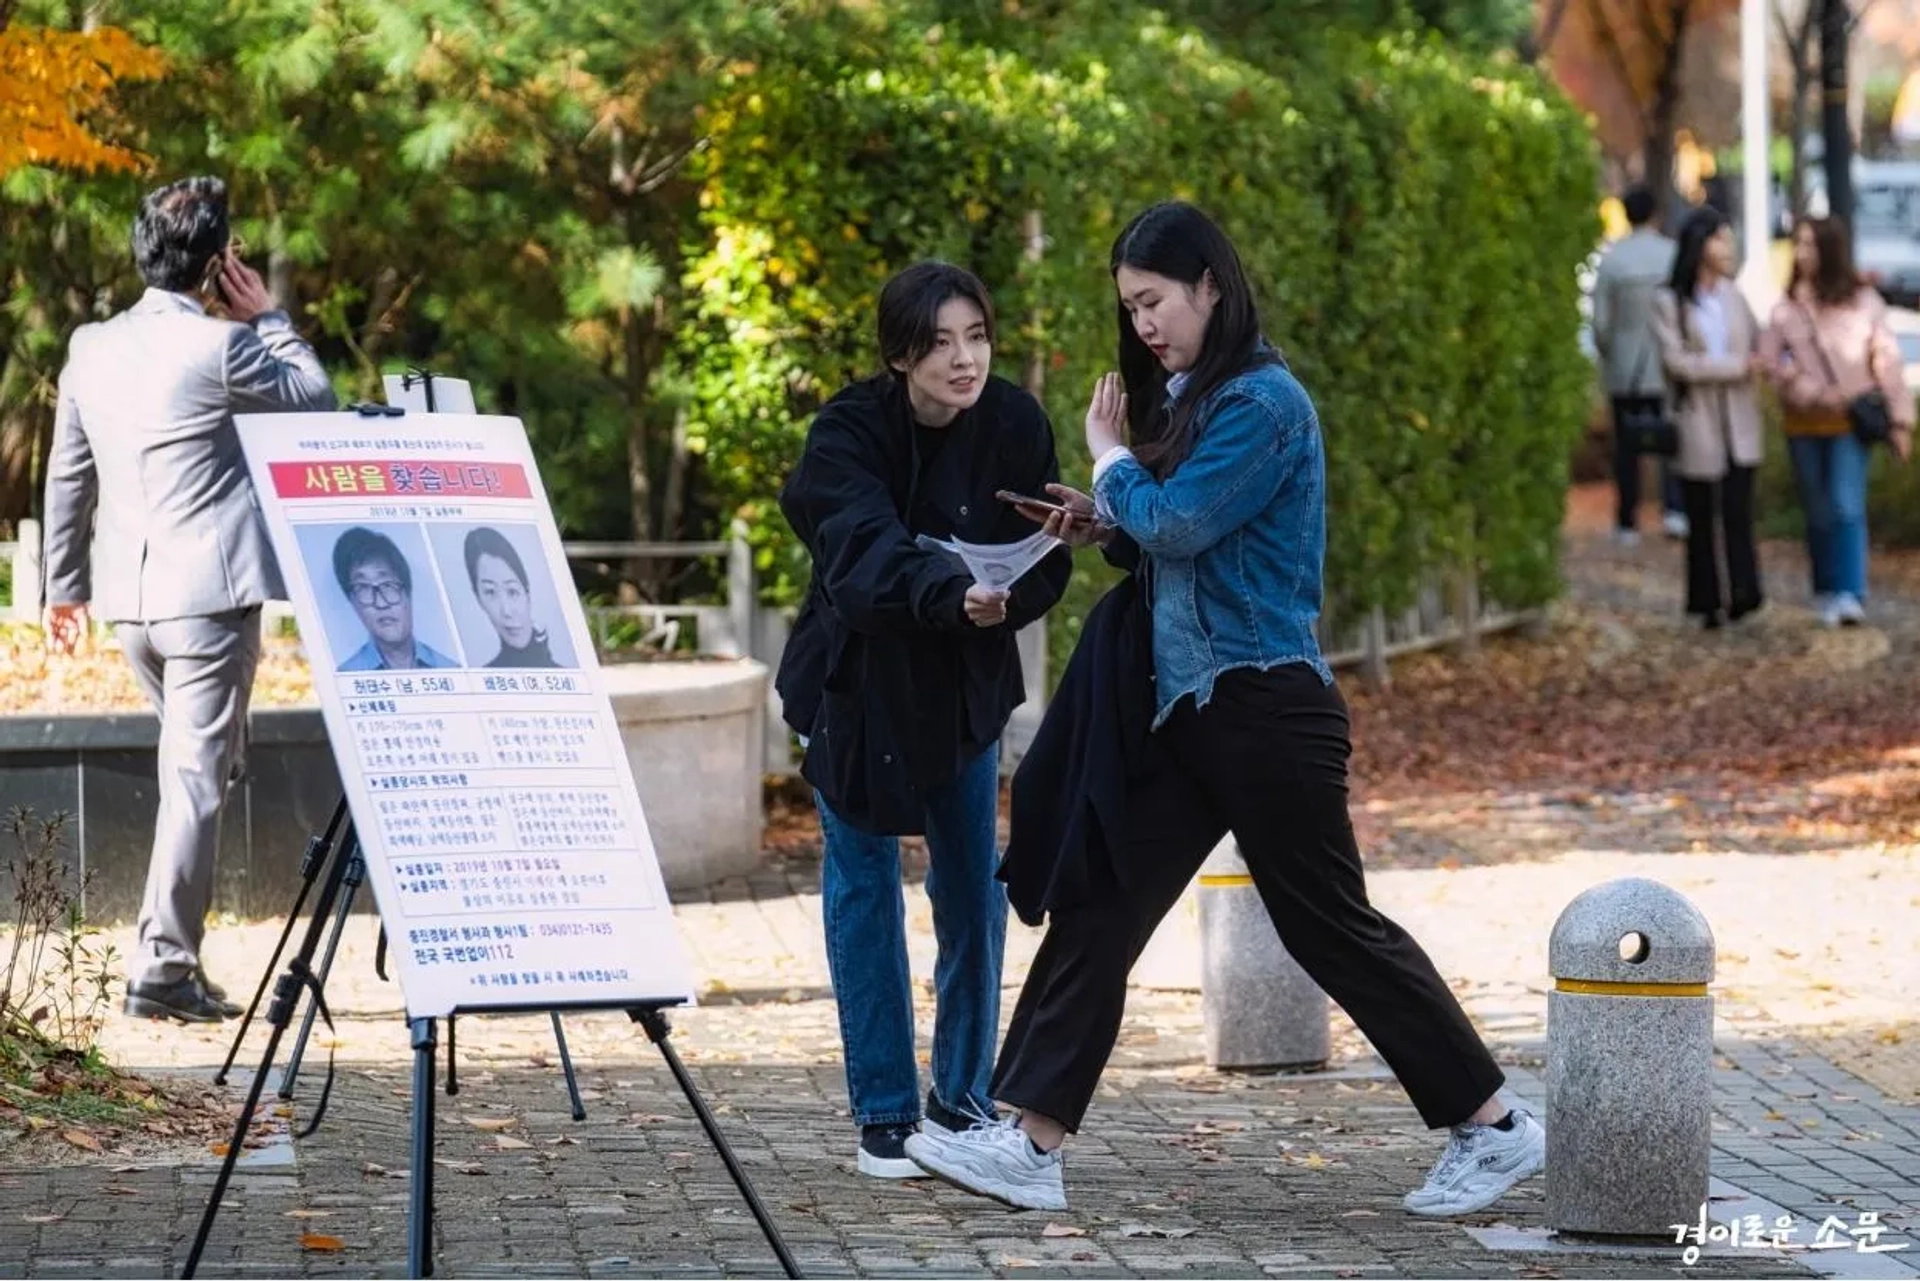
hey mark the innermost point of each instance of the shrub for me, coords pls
(1412, 218)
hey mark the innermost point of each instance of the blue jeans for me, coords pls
(865, 912)
(1831, 472)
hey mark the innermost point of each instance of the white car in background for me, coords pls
(1906, 330)
(1886, 224)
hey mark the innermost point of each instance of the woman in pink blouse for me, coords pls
(1827, 343)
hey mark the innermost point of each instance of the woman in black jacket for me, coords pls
(900, 676)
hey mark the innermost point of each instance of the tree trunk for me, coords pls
(1797, 121)
(1033, 231)
(676, 496)
(1835, 27)
(280, 279)
(19, 445)
(639, 444)
(1665, 113)
(1799, 43)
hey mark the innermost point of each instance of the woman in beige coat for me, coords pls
(1710, 340)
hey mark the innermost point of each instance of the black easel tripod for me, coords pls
(339, 848)
(311, 865)
(330, 859)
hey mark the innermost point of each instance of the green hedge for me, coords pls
(1412, 218)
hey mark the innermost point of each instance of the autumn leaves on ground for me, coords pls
(1800, 737)
(1795, 734)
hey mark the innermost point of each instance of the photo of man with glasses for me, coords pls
(377, 580)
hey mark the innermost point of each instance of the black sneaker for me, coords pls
(185, 1000)
(217, 993)
(883, 1152)
(944, 1120)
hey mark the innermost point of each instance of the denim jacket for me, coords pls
(1235, 538)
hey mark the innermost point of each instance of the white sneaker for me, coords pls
(996, 1161)
(1849, 610)
(1674, 524)
(1626, 537)
(1830, 611)
(1480, 1164)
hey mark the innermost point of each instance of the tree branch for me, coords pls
(1786, 28)
(664, 169)
(1618, 56)
(1550, 27)
(1650, 29)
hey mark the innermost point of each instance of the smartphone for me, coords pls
(1026, 500)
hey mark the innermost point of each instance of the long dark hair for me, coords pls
(1702, 225)
(1179, 242)
(1835, 281)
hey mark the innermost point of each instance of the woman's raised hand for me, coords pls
(1106, 416)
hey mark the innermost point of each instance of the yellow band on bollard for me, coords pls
(1601, 987)
(1221, 882)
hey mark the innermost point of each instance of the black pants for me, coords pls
(1626, 476)
(1267, 760)
(1720, 513)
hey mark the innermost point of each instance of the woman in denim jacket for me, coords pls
(1220, 508)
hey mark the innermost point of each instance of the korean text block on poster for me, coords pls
(489, 785)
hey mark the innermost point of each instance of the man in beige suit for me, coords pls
(1633, 269)
(152, 521)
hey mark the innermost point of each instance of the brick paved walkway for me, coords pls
(1181, 1171)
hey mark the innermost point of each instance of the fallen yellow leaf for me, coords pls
(492, 1124)
(507, 1143)
(321, 1244)
(81, 1139)
(1062, 1230)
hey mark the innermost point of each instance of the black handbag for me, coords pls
(1868, 414)
(1643, 423)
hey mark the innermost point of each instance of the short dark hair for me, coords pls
(486, 541)
(1639, 205)
(360, 546)
(909, 319)
(178, 231)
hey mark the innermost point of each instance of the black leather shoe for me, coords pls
(186, 1001)
(218, 993)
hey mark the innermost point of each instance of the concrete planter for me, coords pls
(693, 734)
(99, 771)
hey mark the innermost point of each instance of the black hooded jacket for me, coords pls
(895, 689)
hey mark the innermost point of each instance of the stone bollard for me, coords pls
(1629, 1062)
(1258, 1007)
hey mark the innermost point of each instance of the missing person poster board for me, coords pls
(490, 788)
